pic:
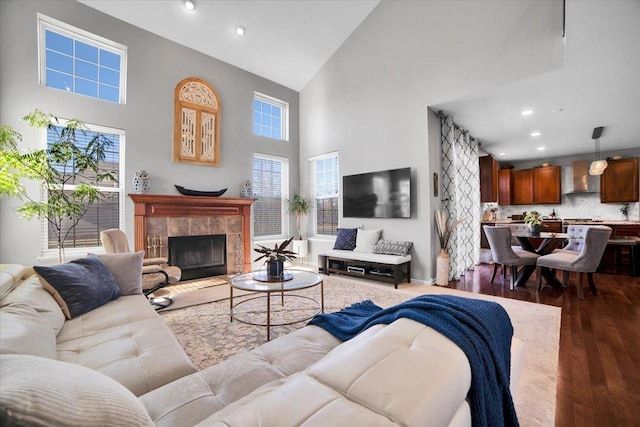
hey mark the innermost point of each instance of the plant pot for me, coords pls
(275, 269)
(535, 229)
(301, 247)
(443, 268)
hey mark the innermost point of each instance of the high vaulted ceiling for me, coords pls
(289, 41)
(286, 41)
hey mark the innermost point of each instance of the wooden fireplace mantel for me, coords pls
(166, 205)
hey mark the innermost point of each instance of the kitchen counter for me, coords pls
(567, 221)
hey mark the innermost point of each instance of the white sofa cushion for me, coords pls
(193, 398)
(142, 354)
(40, 392)
(32, 294)
(24, 331)
(406, 372)
(10, 276)
(370, 257)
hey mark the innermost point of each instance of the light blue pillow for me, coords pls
(83, 284)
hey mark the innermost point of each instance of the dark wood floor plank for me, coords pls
(599, 356)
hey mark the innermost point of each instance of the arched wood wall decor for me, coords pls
(196, 126)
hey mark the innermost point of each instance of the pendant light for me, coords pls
(598, 165)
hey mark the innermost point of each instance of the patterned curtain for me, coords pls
(461, 195)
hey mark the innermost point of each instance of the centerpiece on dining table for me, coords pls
(533, 220)
(275, 258)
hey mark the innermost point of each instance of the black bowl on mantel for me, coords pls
(188, 192)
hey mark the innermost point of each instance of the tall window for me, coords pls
(325, 186)
(270, 188)
(106, 213)
(77, 61)
(270, 117)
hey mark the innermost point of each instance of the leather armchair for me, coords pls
(156, 273)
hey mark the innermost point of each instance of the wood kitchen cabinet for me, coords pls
(505, 187)
(546, 185)
(522, 187)
(488, 179)
(619, 182)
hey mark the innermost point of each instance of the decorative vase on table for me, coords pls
(275, 269)
(141, 183)
(535, 229)
(443, 268)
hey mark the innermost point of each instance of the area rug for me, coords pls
(208, 336)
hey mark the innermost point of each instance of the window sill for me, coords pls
(50, 257)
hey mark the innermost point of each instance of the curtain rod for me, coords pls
(460, 128)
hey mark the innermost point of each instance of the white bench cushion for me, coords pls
(370, 257)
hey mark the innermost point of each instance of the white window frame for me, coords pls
(284, 118)
(48, 23)
(313, 192)
(71, 253)
(284, 191)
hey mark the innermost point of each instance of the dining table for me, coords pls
(542, 243)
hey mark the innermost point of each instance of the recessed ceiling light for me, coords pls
(541, 148)
(240, 30)
(527, 112)
(536, 133)
(502, 154)
(189, 4)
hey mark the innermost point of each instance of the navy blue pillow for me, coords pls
(83, 284)
(346, 239)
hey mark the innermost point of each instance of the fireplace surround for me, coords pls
(165, 216)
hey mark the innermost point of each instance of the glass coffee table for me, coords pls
(294, 280)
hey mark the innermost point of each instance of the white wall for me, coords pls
(369, 102)
(155, 66)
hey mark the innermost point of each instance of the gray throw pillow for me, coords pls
(43, 392)
(126, 268)
(390, 247)
(83, 284)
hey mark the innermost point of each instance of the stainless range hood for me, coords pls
(583, 183)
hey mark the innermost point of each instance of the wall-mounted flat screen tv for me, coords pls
(384, 194)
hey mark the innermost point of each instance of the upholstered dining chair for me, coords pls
(502, 252)
(156, 273)
(586, 261)
(515, 245)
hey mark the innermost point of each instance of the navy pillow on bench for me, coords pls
(346, 239)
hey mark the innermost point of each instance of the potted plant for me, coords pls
(275, 258)
(532, 219)
(299, 206)
(65, 169)
(624, 210)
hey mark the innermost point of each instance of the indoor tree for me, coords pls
(65, 169)
(298, 206)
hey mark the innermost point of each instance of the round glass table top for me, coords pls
(301, 279)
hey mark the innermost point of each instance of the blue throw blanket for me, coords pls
(482, 330)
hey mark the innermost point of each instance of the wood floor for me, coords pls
(599, 360)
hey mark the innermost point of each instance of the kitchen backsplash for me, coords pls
(574, 206)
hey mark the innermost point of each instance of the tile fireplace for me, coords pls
(167, 216)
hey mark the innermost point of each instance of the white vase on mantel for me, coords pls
(443, 268)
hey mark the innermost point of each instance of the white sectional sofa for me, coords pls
(119, 364)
